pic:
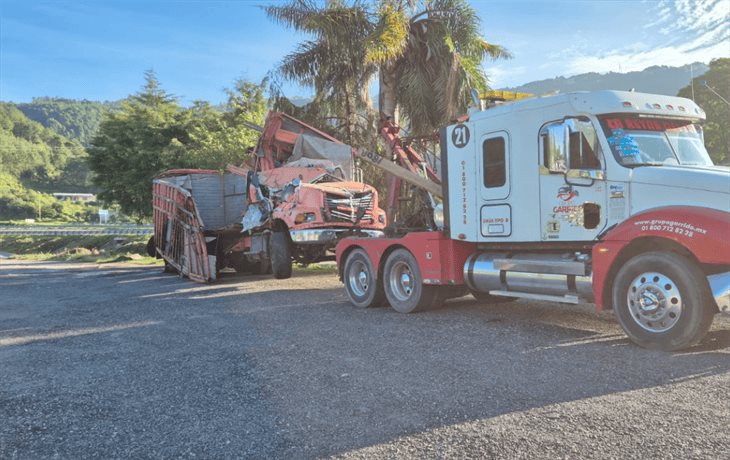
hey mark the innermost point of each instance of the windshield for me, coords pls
(655, 141)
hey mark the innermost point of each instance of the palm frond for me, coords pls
(389, 39)
(297, 14)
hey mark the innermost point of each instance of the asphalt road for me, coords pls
(122, 361)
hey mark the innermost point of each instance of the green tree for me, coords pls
(136, 142)
(333, 62)
(217, 137)
(715, 102)
(150, 133)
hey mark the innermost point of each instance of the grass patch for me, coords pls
(133, 259)
(79, 248)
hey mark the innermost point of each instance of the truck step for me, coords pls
(574, 299)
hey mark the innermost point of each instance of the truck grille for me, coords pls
(345, 209)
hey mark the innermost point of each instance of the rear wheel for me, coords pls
(662, 301)
(403, 284)
(280, 253)
(361, 283)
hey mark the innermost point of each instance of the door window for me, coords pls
(495, 167)
(570, 144)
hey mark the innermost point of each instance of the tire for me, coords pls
(363, 287)
(280, 253)
(151, 248)
(403, 284)
(486, 298)
(662, 301)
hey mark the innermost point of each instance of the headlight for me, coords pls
(305, 217)
(438, 216)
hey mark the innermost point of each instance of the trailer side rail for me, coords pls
(179, 232)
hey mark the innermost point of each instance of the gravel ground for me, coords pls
(121, 361)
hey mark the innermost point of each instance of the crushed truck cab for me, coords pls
(293, 200)
(606, 197)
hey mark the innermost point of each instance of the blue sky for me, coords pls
(99, 49)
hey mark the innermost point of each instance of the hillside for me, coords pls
(657, 79)
(34, 158)
(75, 119)
(33, 153)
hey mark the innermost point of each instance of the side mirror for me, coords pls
(583, 177)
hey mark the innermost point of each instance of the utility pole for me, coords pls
(704, 83)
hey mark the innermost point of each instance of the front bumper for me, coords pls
(329, 235)
(720, 287)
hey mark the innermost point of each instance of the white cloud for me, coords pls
(692, 30)
(669, 56)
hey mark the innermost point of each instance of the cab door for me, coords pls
(493, 158)
(572, 181)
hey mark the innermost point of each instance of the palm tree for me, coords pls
(333, 63)
(429, 55)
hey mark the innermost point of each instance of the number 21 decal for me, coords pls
(460, 136)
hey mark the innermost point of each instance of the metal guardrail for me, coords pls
(75, 230)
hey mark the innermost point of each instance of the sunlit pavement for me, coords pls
(121, 361)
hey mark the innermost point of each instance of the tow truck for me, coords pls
(605, 197)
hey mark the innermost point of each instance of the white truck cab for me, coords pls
(571, 166)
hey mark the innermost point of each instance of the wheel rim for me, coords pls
(401, 281)
(358, 278)
(654, 301)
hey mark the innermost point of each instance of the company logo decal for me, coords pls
(616, 191)
(567, 193)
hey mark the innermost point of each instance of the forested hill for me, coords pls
(38, 156)
(75, 119)
(657, 79)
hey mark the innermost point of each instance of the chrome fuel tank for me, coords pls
(540, 274)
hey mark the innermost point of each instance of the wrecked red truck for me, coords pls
(296, 197)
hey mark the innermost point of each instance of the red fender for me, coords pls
(440, 258)
(703, 232)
